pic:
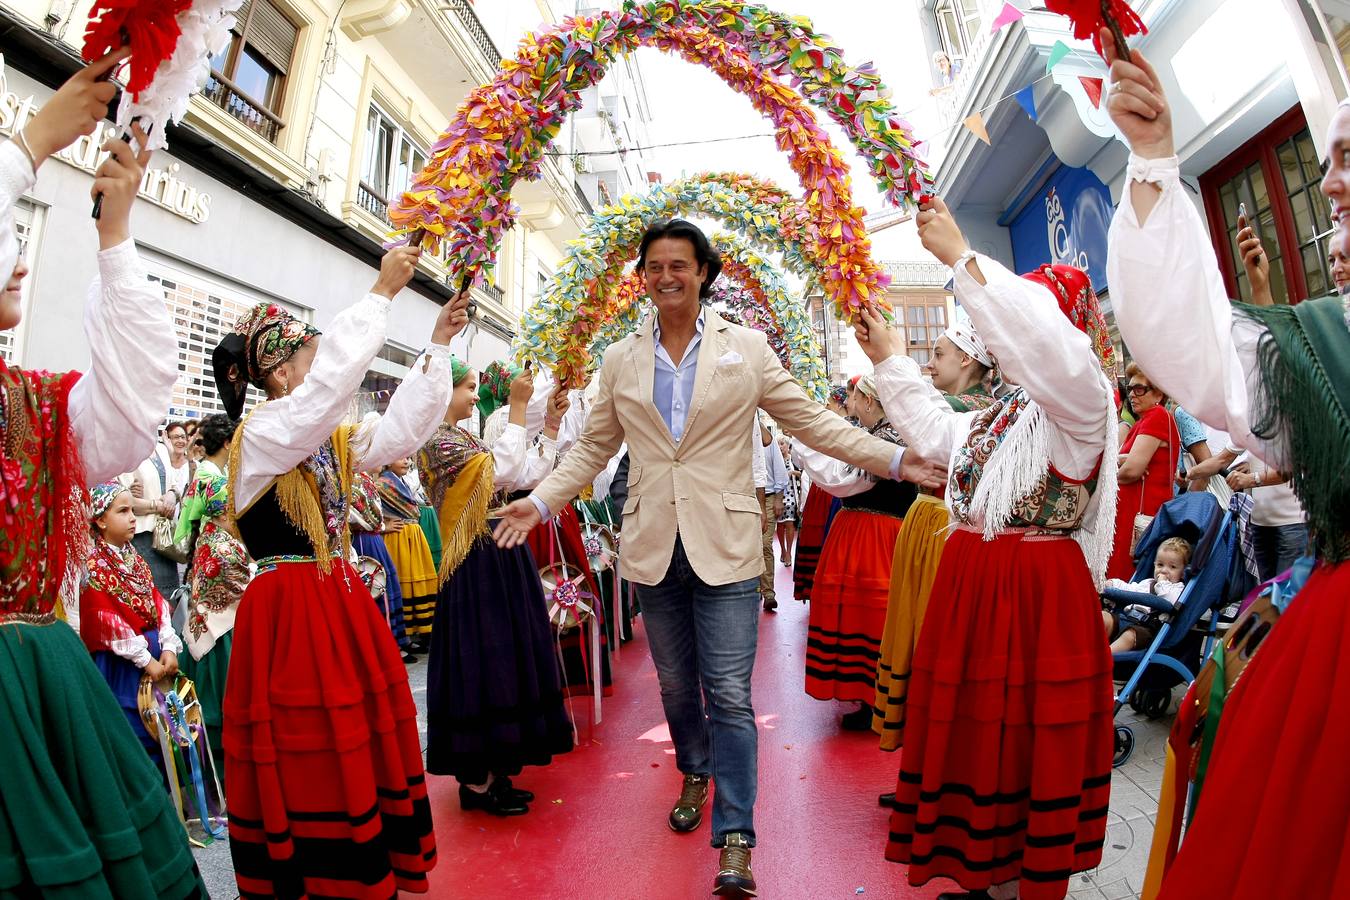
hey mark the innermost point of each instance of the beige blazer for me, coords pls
(701, 488)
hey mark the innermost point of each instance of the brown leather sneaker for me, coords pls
(734, 878)
(688, 811)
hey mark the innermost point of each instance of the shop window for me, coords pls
(958, 23)
(248, 77)
(392, 160)
(27, 226)
(201, 316)
(1275, 175)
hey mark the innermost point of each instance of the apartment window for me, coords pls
(958, 24)
(1275, 175)
(201, 317)
(393, 159)
(248, 77)
(924, 324)
(27, 222)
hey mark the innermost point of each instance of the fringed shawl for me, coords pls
(457, 471)
(119, 601)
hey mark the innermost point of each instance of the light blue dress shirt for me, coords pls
(673, 383)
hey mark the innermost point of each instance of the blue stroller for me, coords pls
(1175, 654)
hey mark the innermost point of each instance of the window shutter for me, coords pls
(271, 34)
(241, 17)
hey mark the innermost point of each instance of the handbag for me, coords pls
(163, 543)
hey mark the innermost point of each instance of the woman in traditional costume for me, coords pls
(1006, 766)
(322, 752)
(124, 619)
(817, 512)
(218, 576)
(1274, 815)
(367, 523)
(960, 368)
(408, 548)
(83, 810)
(494, 697)
(852, 582)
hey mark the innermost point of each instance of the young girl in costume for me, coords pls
(1277, 379)
(960, 368)
(322, 753)
(124, 619)
(852, 580)
(367, 524)
(84, 808)
(408, 548)
(1005, 771)
(218, 576)
(494, 697)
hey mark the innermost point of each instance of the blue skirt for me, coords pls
(494, 693)
(125, 681)
(369, 543)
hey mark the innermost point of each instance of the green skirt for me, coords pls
(83, 811)
(208, 675)
(431, 527)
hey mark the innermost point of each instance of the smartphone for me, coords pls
(1244, 222)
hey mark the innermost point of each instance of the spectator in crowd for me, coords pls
(157, 487)
(1340, 266)
(946, 69)
(759, 469)
(1147, 465)
(790, 517)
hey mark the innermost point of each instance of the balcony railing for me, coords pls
(463, 11)
(227, 95)
(951, 99)
(914, 273)
(370, 200)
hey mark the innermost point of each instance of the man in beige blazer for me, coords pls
(682, 391)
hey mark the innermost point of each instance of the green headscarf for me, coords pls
(494, 388)
(459, 370)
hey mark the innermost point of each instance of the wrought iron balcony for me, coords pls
(463, 11)
(228, 96)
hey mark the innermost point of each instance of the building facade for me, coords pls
(276, 185)
(1249, 124)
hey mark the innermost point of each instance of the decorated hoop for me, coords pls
(601, 548)
(569, 603)
(502, 129)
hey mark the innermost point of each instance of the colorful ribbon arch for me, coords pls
(500, 132)
(588, 287)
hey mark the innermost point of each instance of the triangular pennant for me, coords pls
(975, 122)
(1009, 15)
(1057, 53)
(1093, 86)
(1027, 98)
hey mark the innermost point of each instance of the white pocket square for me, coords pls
(730, 358)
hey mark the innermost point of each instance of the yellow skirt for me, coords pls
(918, 550)
(411, 553)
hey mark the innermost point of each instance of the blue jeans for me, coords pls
(702, 639)
(1277, 547)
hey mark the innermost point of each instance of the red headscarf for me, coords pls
(1073, 289)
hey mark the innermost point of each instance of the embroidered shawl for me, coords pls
(457, 472)
(119, 600)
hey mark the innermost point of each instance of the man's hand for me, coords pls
(396, 270)
(75, 109)
(517, 521)
(1137, 104)
(118, 180)
(920, 471)
(1255, 262)
(878, 340)
(452, 319)
(940, 234)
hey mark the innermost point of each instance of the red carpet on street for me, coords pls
(597, 829)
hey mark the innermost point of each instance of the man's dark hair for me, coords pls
(215, 432)
(679, 229)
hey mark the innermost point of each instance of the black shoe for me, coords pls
(886, 801)
(734, 878)
(688, 810)
(858, 720)
(494, 800)
(409, 658)
(512, 791)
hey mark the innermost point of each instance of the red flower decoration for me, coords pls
(149, 26)
(1088, 17)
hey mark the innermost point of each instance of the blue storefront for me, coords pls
(1062, 217)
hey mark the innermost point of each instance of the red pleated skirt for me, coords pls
(327, 794)
(848, 606)
(810, 540)
(1006, 767)
(1274, 817)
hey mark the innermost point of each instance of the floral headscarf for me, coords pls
(1073, 289)
(263, 338)
(459, 370)
(102, 496)
(494, 387)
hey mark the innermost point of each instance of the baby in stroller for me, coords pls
(1135, 625)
